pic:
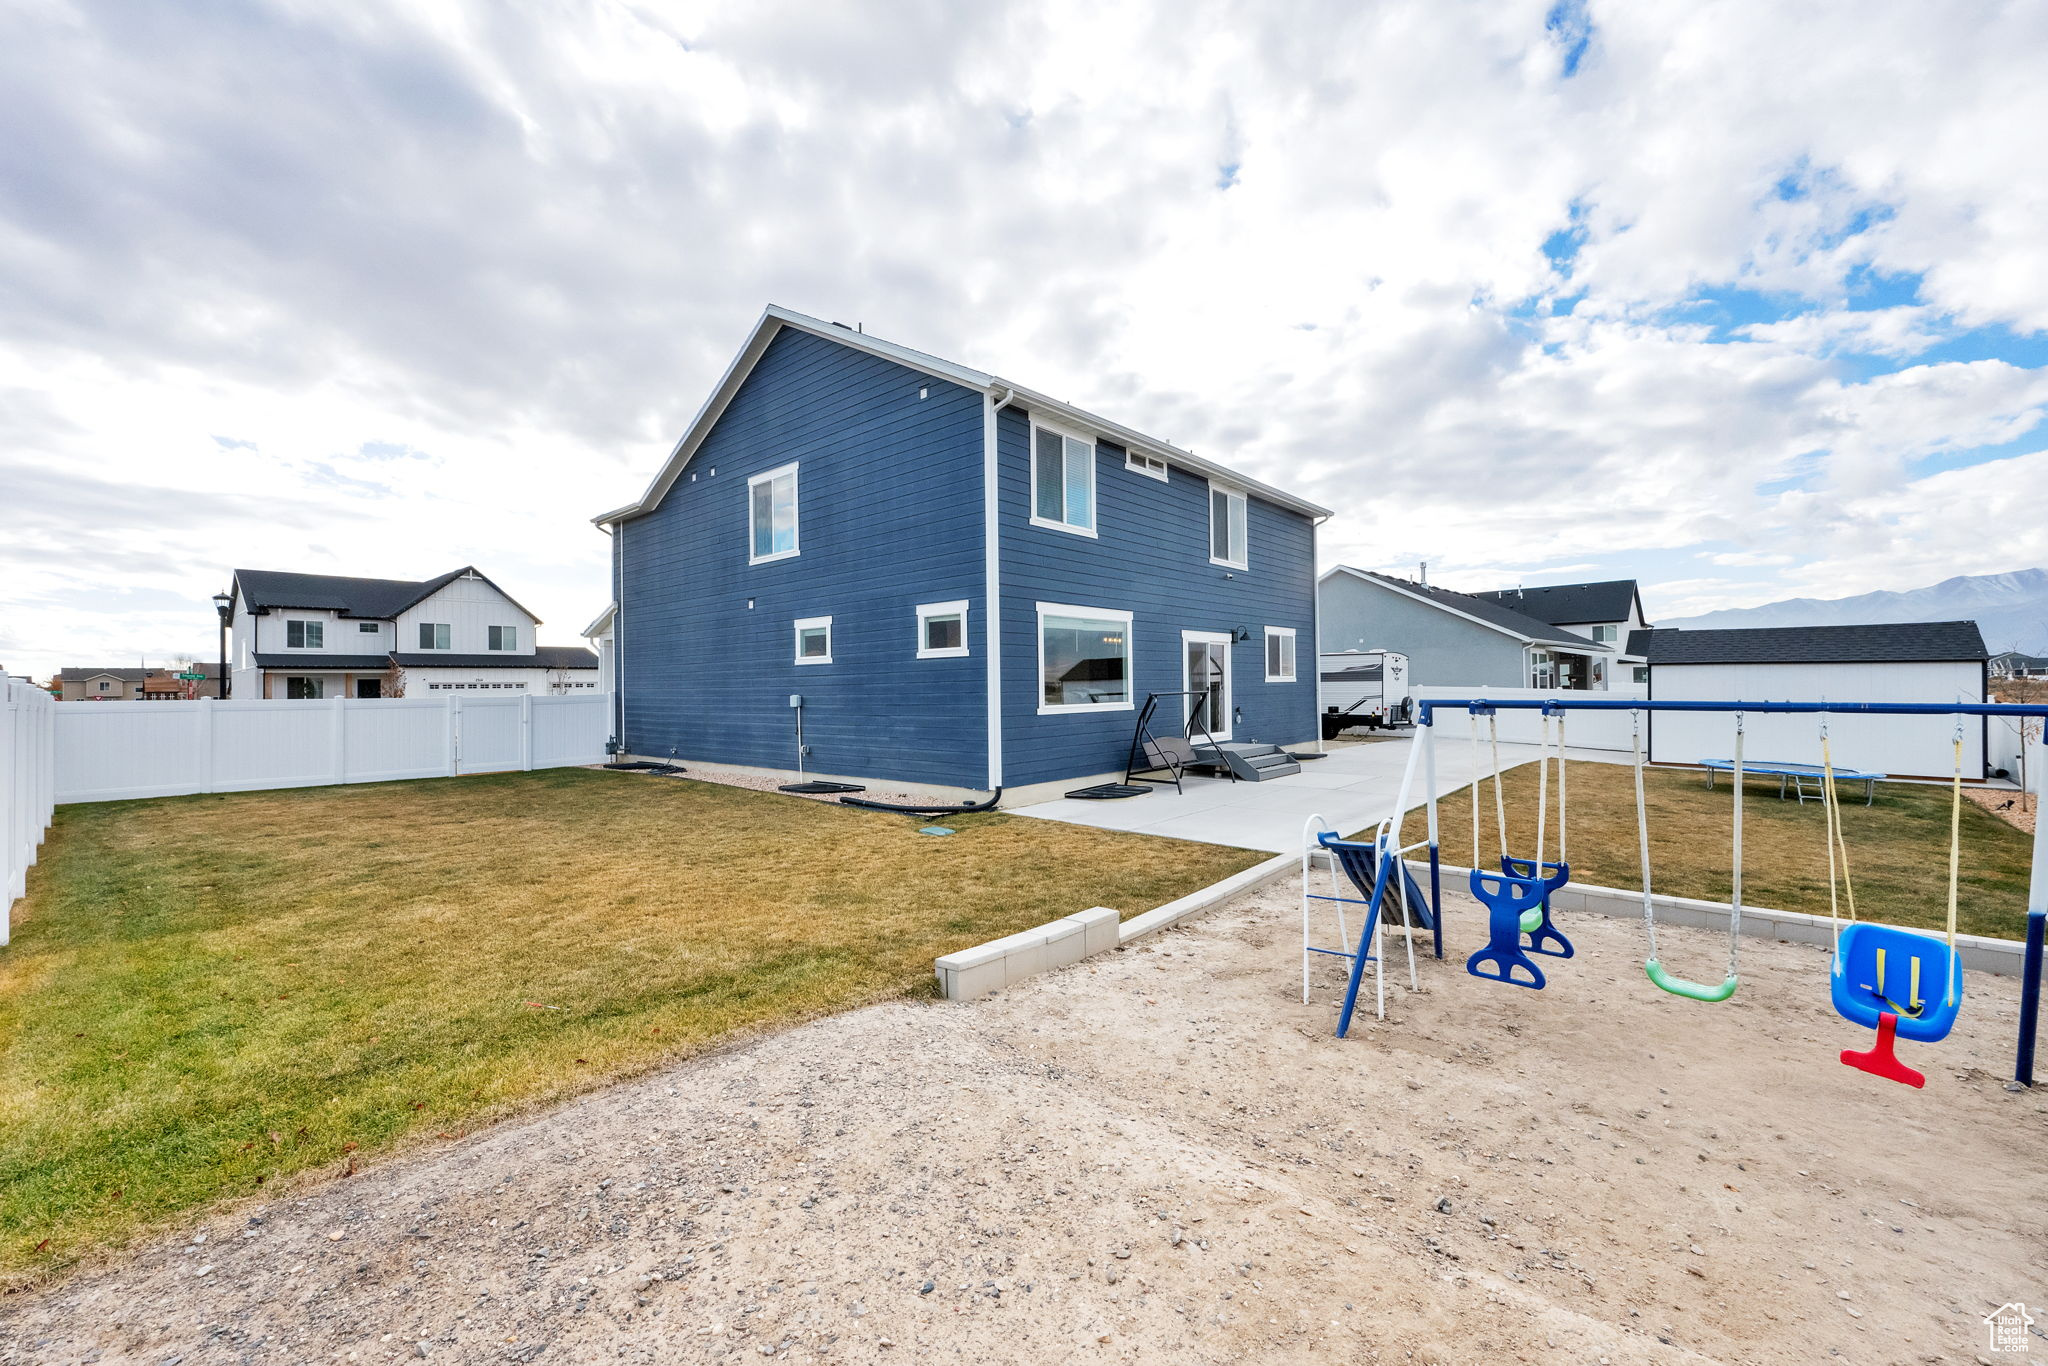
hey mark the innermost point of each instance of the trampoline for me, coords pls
(1795, 776)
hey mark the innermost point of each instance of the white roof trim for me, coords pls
(603, 622)
(1571, 646)
(775, 317)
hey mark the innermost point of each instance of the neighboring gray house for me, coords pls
(1457, 639)
(1605, 613)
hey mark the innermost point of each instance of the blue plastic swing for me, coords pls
(1509, 900)
(1882, 974)
(1541, 936)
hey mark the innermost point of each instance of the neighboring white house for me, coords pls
(327, 635)
(599, 634)
(1606, 613)
(1928, 661)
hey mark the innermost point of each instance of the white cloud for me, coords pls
(523, 244)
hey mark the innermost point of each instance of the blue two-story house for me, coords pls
(969, 585)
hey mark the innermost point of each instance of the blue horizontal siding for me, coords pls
(889, 516)
(1150, 557)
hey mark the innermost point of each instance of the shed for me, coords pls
(1922, 661)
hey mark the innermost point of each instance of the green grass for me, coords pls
(206, 995)
(1898, 848)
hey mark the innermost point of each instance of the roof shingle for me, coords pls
(1570, 604)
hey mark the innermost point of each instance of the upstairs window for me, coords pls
(771, 515)
(501, 638)
(304, 635)
(434, 635)
(942, 630)
(368, 628)
(1151, 466)
(1280, 654)
(1062, 481)
(814, 640)
(1227, 528)
(1605, 635)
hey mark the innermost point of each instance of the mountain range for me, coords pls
(2011, 609)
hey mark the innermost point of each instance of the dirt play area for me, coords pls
(1162, 1155)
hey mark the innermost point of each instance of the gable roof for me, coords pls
(1572, 604)
(1476, 609)
(775, 318)
(1921, 642)
(264, 590)
(85, 675)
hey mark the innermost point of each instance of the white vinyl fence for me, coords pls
(116, 750)
(1583, 729)
(27, 789)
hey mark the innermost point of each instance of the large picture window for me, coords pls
(771, 515)
(1227, 528)
(1062, 481)
(1084, 659)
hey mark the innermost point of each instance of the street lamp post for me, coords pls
(224, 606)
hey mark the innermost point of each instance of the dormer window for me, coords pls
(304, 635)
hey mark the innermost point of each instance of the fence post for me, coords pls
(526, 732)
(341, 739)
(13, 862)
(206, 744)
(454, 732)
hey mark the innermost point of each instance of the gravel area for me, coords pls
(1162, 1155)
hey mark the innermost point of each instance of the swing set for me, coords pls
(1898, 982)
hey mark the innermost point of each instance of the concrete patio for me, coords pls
(1351, 789)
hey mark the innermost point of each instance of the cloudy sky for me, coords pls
(1744, 299)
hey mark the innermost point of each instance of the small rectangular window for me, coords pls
(1280, 654)
(1642, 673)
(1151, 466)
(1062, 481)
(368, 628)
(304, 689)
(771, 515)
(1084, 659)
(304, 635)
(1227, 528)
(434, 635)
(942, 630)
(814, 640)
(501, 637)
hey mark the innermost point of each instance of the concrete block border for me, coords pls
(999, 963)
(1979, 953)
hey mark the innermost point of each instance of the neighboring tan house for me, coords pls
(306, 636)
(1463, 640)
(102, 685)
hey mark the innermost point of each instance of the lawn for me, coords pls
(207, 995)
(1898, 848)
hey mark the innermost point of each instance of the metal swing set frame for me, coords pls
(1392, 853)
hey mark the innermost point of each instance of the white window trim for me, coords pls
(797, 639)
(1242, 498)
(796, 511)
(928, 610)
(1064, 609)
(1228, 642)
(1288, 633)
(1151, 466)
(302, 623)
(1094, 510)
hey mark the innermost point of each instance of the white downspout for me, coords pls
(992, 581)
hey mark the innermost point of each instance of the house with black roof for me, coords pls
(1606, 613)
(1492, 640)
(299, 636)
(1911, 661)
